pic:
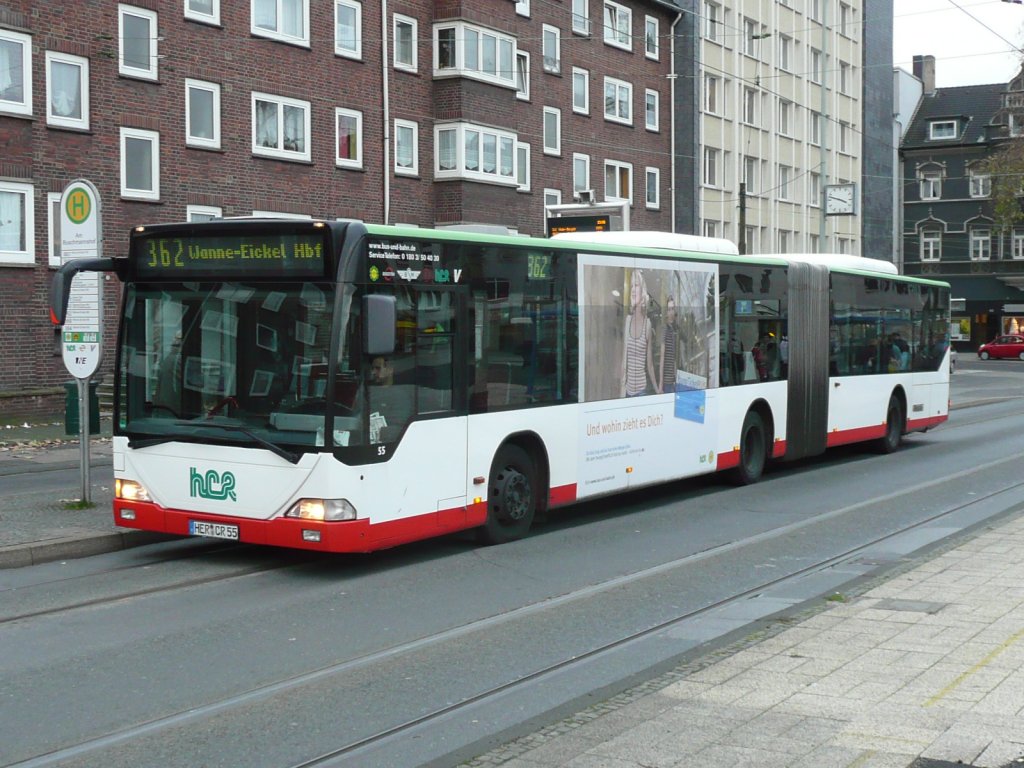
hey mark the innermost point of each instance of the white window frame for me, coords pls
(356, 51)
(280, 153)
(523, 8)
(196, 141)
(580, 180)
(551, 35)
(24, 106)
(400, 20)
(814, 189)
(844, 77)
(785, 181)
(652, 117)
(552, 148)
(785, 53)
(149, 73)
(814, 65)
(652, 38)
(936, 134)
(709, 228)
(584, 75)
(710, 172)
(931, 245)
(345, 162)
(814, 128)
(751, 172)
(617, 23)
(460, 132)
(580, 17)
(930, 185)
(980, 184)
(53, 228)
(786, 109)
(751, 37)
(1017, 245)
(750, 106)
(204, 212)
(213, 17)
(619, 86)
(618, 168)
(844, 137)
(414, 128)
(523, 94)
(712, 97)
(154, 138)
(551, 197)
(981, 244)
(653, 204)
(522, 166)
(28, 254)
(785, 236)
(712, 18)
(460, 67)
(276, 33)
(81, 123)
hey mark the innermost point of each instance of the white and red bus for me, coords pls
(347, 387)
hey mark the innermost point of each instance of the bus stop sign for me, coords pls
(82, 334)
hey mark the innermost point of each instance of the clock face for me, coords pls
(839, 198)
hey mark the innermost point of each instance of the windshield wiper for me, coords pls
(148, 442)
(285, 454)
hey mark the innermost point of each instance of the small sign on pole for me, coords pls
(82, 334)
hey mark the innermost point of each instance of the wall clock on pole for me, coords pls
(840, 199)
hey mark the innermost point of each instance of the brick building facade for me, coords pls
(427, 113)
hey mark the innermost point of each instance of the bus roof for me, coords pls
(651, 239)
(838, 261)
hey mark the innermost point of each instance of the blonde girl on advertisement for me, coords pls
(638, 350)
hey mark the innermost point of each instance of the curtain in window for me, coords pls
(609, 99)
(264, 14)
(266, 124)
(136, 43)
(403, 43)
(11, 76)
(472, 151)
(446, 48)
(623, 106)
(348, 138)
(346, 32)
(138, 164)
(507, 148)
(65, 90)
(403, 147)
(490, 153)
(292, 22)
(446, 150)
(294, 129)
(12, 221)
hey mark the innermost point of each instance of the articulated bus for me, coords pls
(347, 387)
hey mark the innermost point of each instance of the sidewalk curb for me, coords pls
(21, 555)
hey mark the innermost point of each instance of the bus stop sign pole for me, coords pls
(82, 334)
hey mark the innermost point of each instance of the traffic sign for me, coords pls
(80, 229)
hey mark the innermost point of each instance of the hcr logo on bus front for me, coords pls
(211, 485)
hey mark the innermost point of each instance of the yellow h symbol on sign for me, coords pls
(78, 205)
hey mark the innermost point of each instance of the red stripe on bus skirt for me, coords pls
(731, 459)
(344, 536)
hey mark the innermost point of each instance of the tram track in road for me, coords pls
(362, 748)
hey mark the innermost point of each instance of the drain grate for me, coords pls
(912, 606)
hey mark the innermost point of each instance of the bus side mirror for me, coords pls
(379, 326)
(60, 287)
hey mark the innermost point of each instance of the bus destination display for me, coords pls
(253, 255)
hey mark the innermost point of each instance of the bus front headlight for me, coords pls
(129, 490)
(324, 510)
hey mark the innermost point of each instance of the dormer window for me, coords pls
(942, 129)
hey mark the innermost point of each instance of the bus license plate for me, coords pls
(213, 530)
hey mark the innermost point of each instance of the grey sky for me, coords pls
(965, 51)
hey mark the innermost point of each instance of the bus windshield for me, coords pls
(238, 362)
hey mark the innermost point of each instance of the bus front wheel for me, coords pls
(753, 451)
(511, 496)
(893, 436)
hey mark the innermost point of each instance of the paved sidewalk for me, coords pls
(924, 669)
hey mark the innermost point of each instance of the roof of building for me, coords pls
(976, 105)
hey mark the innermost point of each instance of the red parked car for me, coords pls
(1011, 345)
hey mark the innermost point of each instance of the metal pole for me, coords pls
(83, 435)
(743, 218)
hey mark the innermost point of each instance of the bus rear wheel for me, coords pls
(893, 436)
(511, 496)
(753, 451)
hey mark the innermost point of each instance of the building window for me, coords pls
(651, 110)
(523, 8)
(1018, 244)
(580, 91)
(53, 227)
(653, 198)
(581, 17)
(280, 127)
(710, 169)
(712, 18)
(464, 50)
(618, 180)
(552, 197)
(349, 125)
(580, 172)
(137, 34)
(17, 223)
(711, 94)
(140, 164)
(931, 245)
(814, 65)
(785, 175)
(751, 37)
(469, 151)
(931, 185)
(814, 128)
(785, 240)
(552, 43)
(785, 117)
(202, 114)
(618, 101)
(750, 106)
(814, 9)
(709, 228)
(15, 72)
(845, 20)
(405, 43)
(814, 243)
(618, 22)
(523, 75)
(981, 244)
(844, 137)
(750, 167)
(942, 129)
(814, 189)
(652, 42)
(203, 212)
(844, 77)
(206, 11)
(407, 152)
(284, 20)
(552, 131)
(751, 235)
(348, 37)
(981, 183)
(67, 90)
(785, 52)
(522, 166)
